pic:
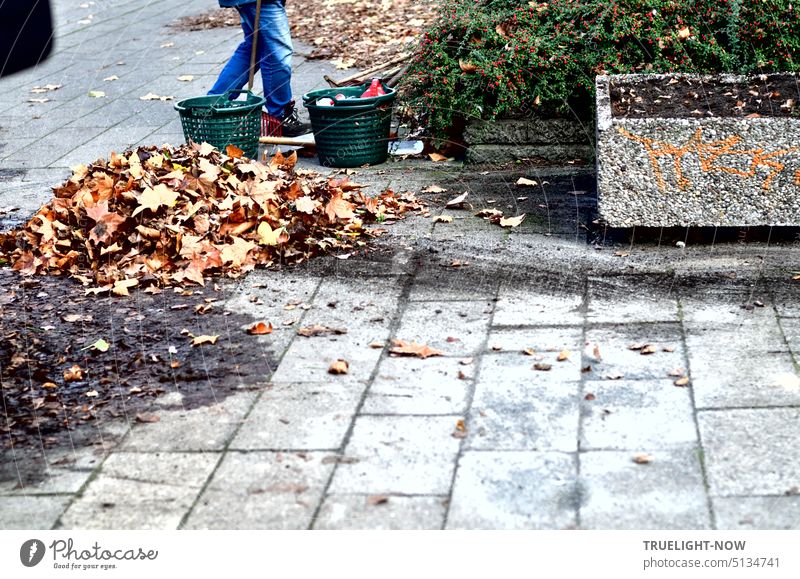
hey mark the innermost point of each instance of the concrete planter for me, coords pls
(548, 140)
(713, 171)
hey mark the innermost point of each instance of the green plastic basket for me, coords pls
(220, 121)
(350, 133)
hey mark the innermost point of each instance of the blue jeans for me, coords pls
(274, 57)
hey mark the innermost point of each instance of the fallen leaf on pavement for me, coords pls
(648, 349)
(154, 97)
(443, 219)
(563, 355)
(100, 345)
(73, 373)
(682, 381)
(403, 348)
(615, 376)
(111, 78)
(437, 158)
(96, 94)
(524, 182)
(541, 366)
(147, 418)
(260, 329)
(529, 352)
(433, 189)
(642, 458)
(676, 372)
(377, 500)
(339, 459)
(186, 78)
(376, 345)
(339, 367)
(457, 201)
(512, 221)
(460, 430)
(311, 331)
(589, 396)
(200, 340)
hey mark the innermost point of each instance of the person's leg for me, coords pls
(275, 53)
(236, 72)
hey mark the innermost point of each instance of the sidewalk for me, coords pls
(476, 438)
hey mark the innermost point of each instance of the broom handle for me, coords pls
(254, 49)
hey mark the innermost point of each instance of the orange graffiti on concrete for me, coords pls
(708, 155)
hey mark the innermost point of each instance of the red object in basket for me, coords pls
(270, 126)
(375, 89)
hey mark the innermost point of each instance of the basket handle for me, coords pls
(226, 96)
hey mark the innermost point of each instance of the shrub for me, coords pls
(485, 58)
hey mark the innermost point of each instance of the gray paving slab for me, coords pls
(262, 490)
(456, 328)
(514, 490)
(456, 284)
(141, 491)
(116, 139)
(526, 415)
(398, 454)
(180, 429)
(31, 512)
(51, 147)
(313, 416)
(667, 493)
(611, 301)
(629, 415)
(736, 367)
(381, 512)
(526, 306)
(757, 513)
(415, 386)
(617, 359)
(308, 359)
(751, 452)
(34, 471)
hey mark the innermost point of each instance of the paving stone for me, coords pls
(524, 415)
(786, 298)
(414, 386)
(733, 367)
(141, 491)
(356, 303)
(262, 490)
(714, 309)
(300, 416)
(760, 513)
(667, 493)
(47, 150)
(514, 490)
(396, 513)
(545, 342)
(56, 471)
(116, 139)
(751, 452)
(308, 359)
(460, 284)
(526, 306)
(628, 415)
(791, 332)
(31, 512)
(619, 360)
(611, 301)
(433, 323)
(205, 428)
(399, 454)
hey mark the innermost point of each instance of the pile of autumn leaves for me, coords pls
(168, 216)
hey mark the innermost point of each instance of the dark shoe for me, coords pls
(291, 125)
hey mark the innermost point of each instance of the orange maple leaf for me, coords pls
(338, 207)
(404, 348)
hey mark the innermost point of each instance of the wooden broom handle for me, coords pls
(254, 49)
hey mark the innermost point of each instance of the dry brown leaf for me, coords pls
(147, 418)
(443, 219)
(563, 355)
(542, 366)
(260, 329)
(681, 382)
(525, 182)
(403, 348)
(468, 67)
(339, 366)
(437, 158)
(73, 373)
(375, 500)
(311, 331)
(529, 352)
(205, 339)
(433, 189)
(642, 458)
(648, 349)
